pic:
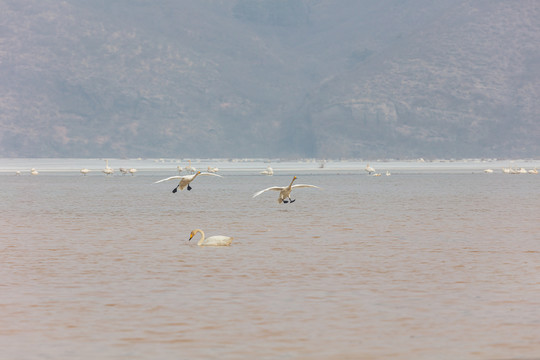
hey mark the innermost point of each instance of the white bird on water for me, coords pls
(107, 170)
(369, 169)
(185, 180)
(85, 171)
(190, 168)
(216, 240)
(269, 171)
(285, 192)
(33, 171)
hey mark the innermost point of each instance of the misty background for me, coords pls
(270, 78)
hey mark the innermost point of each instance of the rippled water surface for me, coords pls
(441, 264)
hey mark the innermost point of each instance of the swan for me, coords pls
(269, 171)
(85, 171)
(369, 169)
(533, 171)
(216, 240)
(213, 169)
(285, 192)
(108, 170)
(185, 180)
(488, 171)
(190, 168)
(132, 171)
(33, 171)
(180, 169)
(123, 171)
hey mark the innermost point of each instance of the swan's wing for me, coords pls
(211, 174)
(304, 185)
(169, 178)
(275, 188)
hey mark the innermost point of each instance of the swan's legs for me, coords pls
(285, 201)
(189, 187)
(175, 189)
(292, 200)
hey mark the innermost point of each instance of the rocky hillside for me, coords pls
(287, 78)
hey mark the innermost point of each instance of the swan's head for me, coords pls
(192, 235)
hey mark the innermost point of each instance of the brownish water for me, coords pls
(411, 266)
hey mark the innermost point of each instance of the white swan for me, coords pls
(269, 171)
(285, 192)
(107, 170)
(123, 171)
(190, 168)
(533, 171)
(132, 171)
(369, 169)
(212, 169)
(217, 240)
(85, 171)
(33, 171)
(488, 171)
(185, 180)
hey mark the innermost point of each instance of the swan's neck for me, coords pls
(202, 237)
(292, 182)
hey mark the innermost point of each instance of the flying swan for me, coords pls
(285, 192)
(185, 180)
(217, 240)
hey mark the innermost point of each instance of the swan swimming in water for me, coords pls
(217, 240)
(285, 192)
(186, 180)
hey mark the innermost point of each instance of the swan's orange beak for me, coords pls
(190, 236)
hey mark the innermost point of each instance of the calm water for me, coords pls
(429, 263)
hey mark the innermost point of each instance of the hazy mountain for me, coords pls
(285, 78)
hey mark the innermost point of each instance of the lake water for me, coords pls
(436, 261)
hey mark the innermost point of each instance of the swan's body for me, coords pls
(123, 171)
(285, 192)
(33, 171)
(488, 171)
(533, 171)
(85, 171)
(217, 240)
(369, 169)
(132, 171)
(213, 169)
(185, 180)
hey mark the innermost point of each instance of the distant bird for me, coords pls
(85, 171)
(216, 240)
(180, 169)
(185, 180)
(33, 171)
(488, 171)
(269, 171)
(533, 171)
(107, 170)
(388, 173)
(132, 171)
(369, 169)
(123, 171)
(190, 168)
(213, 169)
(18, 173)
(285, 192)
